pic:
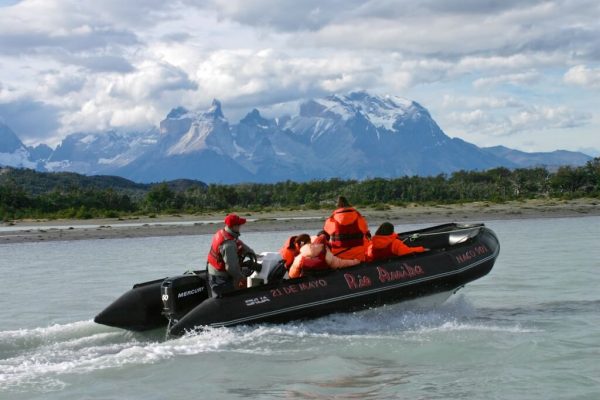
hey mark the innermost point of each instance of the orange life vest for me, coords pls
(347, 236)
(386, 246)
(380, 247)
(214, 255)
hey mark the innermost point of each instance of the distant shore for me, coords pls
(296, 220)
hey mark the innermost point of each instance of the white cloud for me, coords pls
(525, 119)
(246, 77)
(283, 15)
(548, 118)
(434, 29)
(119, 64)
(478, 102)
(583, 76)
(131, 101)
(61, 83)
(512, 62)
(9, 93)
(29, 118)
(149, 82)
(104, 113)
(522, 78)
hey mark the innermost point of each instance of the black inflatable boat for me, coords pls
(459, 254)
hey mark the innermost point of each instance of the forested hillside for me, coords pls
(30, 194)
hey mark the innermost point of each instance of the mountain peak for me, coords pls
(331, 107)
(254, 118)
(177, 112)
(215, 109)
(359, 134)
(9, 141)
(381, 111)
(359, 95)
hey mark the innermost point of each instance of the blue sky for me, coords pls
(524, 74)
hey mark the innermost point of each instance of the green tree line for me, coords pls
(494, 185)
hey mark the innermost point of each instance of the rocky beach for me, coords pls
(294, 220)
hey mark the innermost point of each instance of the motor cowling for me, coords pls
(182, 293)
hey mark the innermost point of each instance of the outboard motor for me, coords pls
(182, 293)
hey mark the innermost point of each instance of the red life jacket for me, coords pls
(347, 236)
(315, 263)
(214, 255)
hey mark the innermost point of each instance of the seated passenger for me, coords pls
(317, 256)
(322, 232)
(291, 248)
(386, 244)
(348, 230)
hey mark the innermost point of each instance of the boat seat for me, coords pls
(277, 273)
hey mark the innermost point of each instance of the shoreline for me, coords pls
(296, 220)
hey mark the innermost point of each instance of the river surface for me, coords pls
(528, 330)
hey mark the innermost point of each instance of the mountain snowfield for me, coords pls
(356, 136)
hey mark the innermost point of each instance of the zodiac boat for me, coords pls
(459, 254)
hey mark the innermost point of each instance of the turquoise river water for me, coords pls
(528, 330)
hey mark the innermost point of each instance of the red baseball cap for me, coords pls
(233, 219)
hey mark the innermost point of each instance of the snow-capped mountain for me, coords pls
(368, 136)
(357, 136)
(99, 153)
(12, 151)
(191, 145)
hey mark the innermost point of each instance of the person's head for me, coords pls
(233, 222)
(321, 239)
(385, 229)
(302, 239)
(342, 202)
(323, 233)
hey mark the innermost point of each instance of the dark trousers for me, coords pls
(220, 284)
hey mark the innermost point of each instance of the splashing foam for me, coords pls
(40, 358)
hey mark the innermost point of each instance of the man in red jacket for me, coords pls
(225, 256)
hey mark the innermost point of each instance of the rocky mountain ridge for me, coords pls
(352, 136)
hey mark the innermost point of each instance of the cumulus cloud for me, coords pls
(131, 101)
(516, 79)
(150, 81)
(583, 76)
(8, 93)
(435, 28)
(109, 64)
(481, 102)
(526, 119)
(284, 15)
(61, 83)
(18, 39)
(30, 119)
(248, 78)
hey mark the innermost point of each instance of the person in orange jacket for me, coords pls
(348, 231)
(316, 256)
(386, 244)
(291, 248)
